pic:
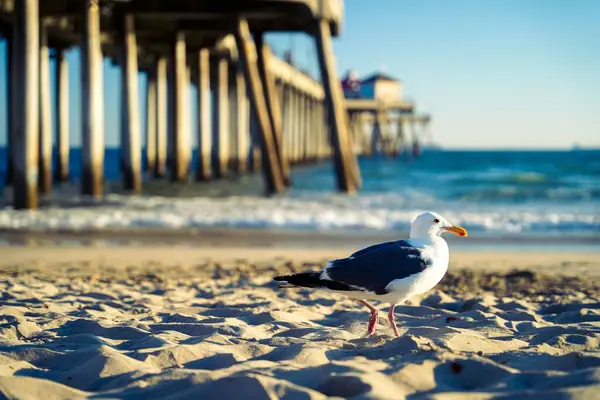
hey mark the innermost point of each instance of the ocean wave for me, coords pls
(351, 213)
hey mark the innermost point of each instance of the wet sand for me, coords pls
(177, 322)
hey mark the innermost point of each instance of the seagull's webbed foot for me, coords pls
(393, 320)
(373, 319)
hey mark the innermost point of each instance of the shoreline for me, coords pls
(582, 264)
(218, 237)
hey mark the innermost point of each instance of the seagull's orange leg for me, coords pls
(393, 320)
(373, 319)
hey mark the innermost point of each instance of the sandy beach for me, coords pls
(175, 322)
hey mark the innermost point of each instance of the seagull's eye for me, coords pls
(436, 221)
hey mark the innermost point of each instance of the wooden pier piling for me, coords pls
(11, 93)
(62, 116)
(92, 102)
(348, 178)
(242, 126)
(254, 156)
(131, 145)
(220, 148)
(45, 131)
(294, 104)
(248, 57)
(401, 135)
(151, 119)
(273, 106)
(203, 170)
(26, 108)
(160, 169)
(180, 97)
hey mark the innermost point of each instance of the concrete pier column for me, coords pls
(272, 102)
(348, 175)
(313, 129)
(294, 131)
(242, 128)
(281, 101)
(300, 125)
(11, 93)
(416, 145)
(248, 57)
(310, 128)
(401, 135)
(320, 129)
(327, 130)
(285, 122)
(180, 97)
(203, 170)
(62, 116)
(188, 117)
(26, 108)
(361, 133)
(221, 131)
(297, 112)
(132, 171)
(306, 131)
(45, 104)
(254, 157)
(92, 102)
(151, 119)
(160, 169)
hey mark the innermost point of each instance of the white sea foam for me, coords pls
(381, 213)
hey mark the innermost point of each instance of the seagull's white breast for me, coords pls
(401, 290)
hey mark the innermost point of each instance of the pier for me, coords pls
(381, 120)
(256, 112)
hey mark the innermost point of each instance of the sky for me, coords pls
(492, 74)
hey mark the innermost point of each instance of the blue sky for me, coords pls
(493, 74)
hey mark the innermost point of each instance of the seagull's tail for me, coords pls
(311, 280)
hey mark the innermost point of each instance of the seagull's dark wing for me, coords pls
(373, 268)
(370, 249)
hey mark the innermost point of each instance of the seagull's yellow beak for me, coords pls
(457, 230)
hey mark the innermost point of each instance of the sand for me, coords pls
(177, 323)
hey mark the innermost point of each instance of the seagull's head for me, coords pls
(430, 225)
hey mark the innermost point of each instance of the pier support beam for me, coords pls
(254, 158)
(45, 104)
(306, 132)
(220, 148)
(132, 173)
(400, 135)
(151, 120)
(242, 121)
(11, 96)
(292, 115)
(180, 97)
(313, 130)
(92, 102)
(272, 102)
(62, 116)
(26, 108)
(416, 146)
(286, 122)
(248, 57)
(348, 175)
(321, 130)
(381, 131)
(203, 170)
(160, 169)
(188, 117)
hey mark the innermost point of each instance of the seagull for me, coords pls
(390, 272)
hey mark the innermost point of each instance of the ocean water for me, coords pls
(512, 194)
